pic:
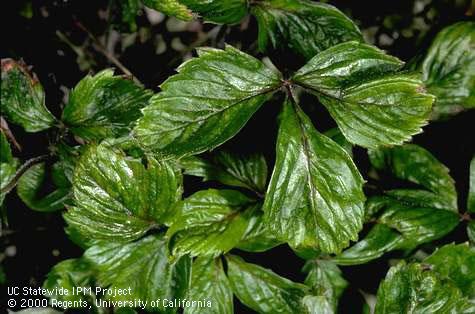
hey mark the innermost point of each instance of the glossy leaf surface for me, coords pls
(23, 97)
(315, 197)
(104, 105)
(360, 87)
(306, 27)
(206, 103)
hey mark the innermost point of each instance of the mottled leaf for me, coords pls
(326, 280)
(247, 171)
(208, 281)
(104, 105)
(210, 222)
(456, 262)
(372, 104)
(315, 197)
(23, 97)
(142, 266)
(448, 69)
(416, 164)
(31, 183)
(306, 27)
(206, 103)
(263, 290)
(415, 289)
(118, 198)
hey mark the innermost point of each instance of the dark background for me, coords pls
(36, 31)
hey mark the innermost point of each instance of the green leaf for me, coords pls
(8, 165)
(456, 262)
(471, 231)
(258, 237)
(326, 281)
(210, 222)
(247, 171)
(23, 97)
(338, 137)
(416, 164)
(127, 11)
(379, 240)
(30, 185)
(263, 290)
(305, 27)
(118, 198)
(104, 105)
(208, 281)
(400, 227)
(317, 305)
(70, 274)
(315, 197)
(206, 103)
(219, 11)
(448, 68)
(5, 150)
(414, 289)
(170, 7)
(360, 87)
(142, 266)
(471, 191)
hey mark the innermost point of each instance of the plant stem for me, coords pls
(27, 165)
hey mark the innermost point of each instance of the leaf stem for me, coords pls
(27, 165)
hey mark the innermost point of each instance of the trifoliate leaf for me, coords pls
(258, 237)
(359, 86)
(23, 97)
(306, 27)
(104, 105)
(8, 165)
(414, 288)
(70, 274)
(30, 185)
(219, 11)
(208, 281)
(456, 262)
(118, 198)
(210, 222)
(315, 197)
(263, 290)
(379, 240)
(247, 171)
(141, 266)
(206, 103)
(471, 191)
(416, 164)
(448, 69)
(326, 281)
(170, 7)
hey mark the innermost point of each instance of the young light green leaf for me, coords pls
(315, 197)
(415, 289)
(208, 281)
(104, 105)
(118, 198)
(142, 266)
(170, 7)
(456, 262)
(416, 164)
(326, 280)
(258, 237)
(247, 171)
(210, 222)
(219, 11)
(471, 191)
(263, 290)
(23, 97)
(448, 69)
(206, 103)
(304, 26)
(70, 274)
(30, 185)
(359, 86)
